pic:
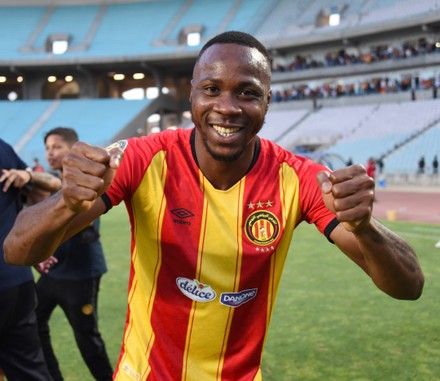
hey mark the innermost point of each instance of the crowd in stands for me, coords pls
(379, 85)
(376, 54)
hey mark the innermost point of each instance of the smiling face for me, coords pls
(230, 96)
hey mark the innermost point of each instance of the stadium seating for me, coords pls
(17, 26)
(75, 21)
(17, 118)
(385, 129)
(325, 126)
(97, 121)
(404, 159)
(112, 30)
(135, 28)
(278, 123)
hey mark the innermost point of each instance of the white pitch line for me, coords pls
(416, 235)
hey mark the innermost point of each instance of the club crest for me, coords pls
(262, 227)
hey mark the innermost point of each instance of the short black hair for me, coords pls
(68, 134)
(236, 37)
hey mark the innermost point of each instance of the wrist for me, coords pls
(29, 171)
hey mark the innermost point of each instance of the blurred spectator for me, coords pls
(421, 165)
(371, 168)
(435, 165)
(37, 166)
(380, 164)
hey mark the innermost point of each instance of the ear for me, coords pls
(191, 90)
(269, 99)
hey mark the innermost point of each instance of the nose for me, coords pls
(49, 153)
(227, 103)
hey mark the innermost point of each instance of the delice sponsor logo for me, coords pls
(236, 299)
(195, 290)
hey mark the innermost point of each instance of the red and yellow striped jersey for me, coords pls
(206, 263)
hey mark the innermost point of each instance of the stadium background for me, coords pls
(364, 87)
(352, 79)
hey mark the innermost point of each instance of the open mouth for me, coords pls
(225, 132)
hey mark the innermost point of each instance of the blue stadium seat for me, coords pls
(97, 121)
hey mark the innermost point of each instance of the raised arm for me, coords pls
(385, 256)
(36, 186)
(45, 181)
(19, 178)
(41, 228)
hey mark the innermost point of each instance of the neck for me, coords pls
(222, 174)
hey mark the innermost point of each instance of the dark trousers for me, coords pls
(21, 356)
(79, 301)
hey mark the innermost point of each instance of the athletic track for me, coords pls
(408, 205)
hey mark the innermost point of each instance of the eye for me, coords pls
(249, 93)
(211, 90)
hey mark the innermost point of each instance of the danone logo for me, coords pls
(262, 227)
(236, 299)
(195, 290)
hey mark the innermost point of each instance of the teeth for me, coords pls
(225, 132)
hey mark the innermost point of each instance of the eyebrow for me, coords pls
(241, 84)
(211, 79)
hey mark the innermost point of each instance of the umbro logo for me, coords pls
(182, 213)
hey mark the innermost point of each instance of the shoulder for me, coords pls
(158, 141)
(7, 148)
(9, 158)
(145, 153)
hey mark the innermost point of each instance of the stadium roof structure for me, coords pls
(67, 2)
(131, 31)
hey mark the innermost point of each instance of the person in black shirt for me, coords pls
(73, 282)
(21, 355)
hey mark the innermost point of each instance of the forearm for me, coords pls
(45, 181)
(390, 261)
(37, 232)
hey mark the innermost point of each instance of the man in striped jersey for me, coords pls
(213, 210)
